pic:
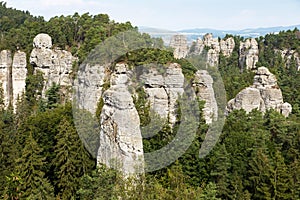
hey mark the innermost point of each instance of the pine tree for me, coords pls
(34, 184)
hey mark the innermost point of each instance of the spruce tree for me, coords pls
(29, 166)
(70, 162)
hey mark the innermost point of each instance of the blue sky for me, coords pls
(176, 14)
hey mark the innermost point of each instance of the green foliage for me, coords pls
(34, 184)
(53, 96)
(69, 162)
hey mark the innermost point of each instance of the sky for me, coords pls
(175, 14)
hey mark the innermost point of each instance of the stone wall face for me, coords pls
(5, 68)
(19, 73)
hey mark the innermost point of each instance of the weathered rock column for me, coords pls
(5, 67)
(203, 84)
(121, 144)
(19, 72)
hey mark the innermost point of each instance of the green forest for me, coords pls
(42, 156)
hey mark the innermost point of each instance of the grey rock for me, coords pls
(42, 41)
(227, 46)
(19, 73)
(163, 89)
(287, 56)
(121, 144)
(55, 64)
(89, 85)
(249, 53)
(179, 43)
(5, 65)
(203, 84)
(263, 95)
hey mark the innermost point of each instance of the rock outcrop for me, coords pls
(5, 65)
(55, 64)
(179, 43)
(121, 144)
(263, 95)
(13, 74)
(19, 73)
(227, 46)
(214, 48)
(203, 84)
(287, 55)
(248, 53)
(89, 86)
(163, 90)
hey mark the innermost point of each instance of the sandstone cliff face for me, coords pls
(120, 136)
(163, 90)
(13, 73)
(19, 73)
(55, 64)
(179, 43)
(248, 53)
(89, 86)
(203, 84)
(5, 65)
(263, 95)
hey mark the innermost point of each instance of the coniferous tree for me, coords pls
(29, 167)
(280, 178)
(71, 160)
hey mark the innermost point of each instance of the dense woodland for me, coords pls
(42, 156)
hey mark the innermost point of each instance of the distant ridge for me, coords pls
(193, 34)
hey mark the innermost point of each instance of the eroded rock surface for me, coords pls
(203, 84)
(5, 64)
(55, 64)
(89, 86)
(263, 95)
(164, 89)
(248, 53)
(179, 43)
(214, 48)
(19, 73)
(121, 144)
(227, 46)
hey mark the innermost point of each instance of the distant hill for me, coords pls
(193, 34)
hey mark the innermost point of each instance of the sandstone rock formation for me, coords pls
(5, 65)
(227, 46)
(163, 90)
(263, 95)
(89, 86)
(19, 73)
(121, 144)
(248, 53)
(203, 84)
(287, 56)
(179, 43)
(13, 73)
(214, 48)
(55, 64)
